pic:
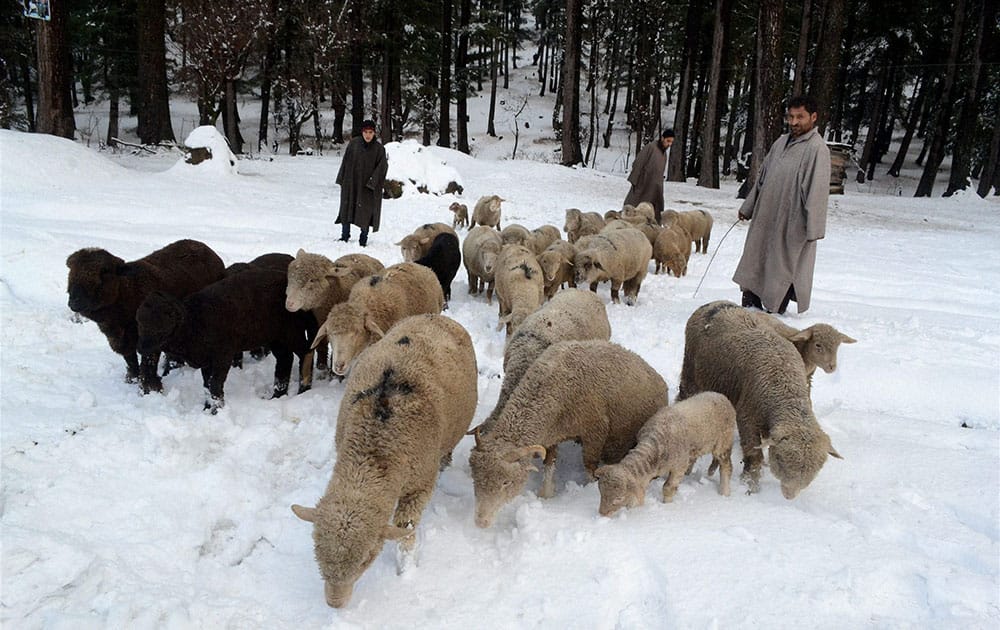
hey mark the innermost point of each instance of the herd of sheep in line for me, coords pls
(411, 390)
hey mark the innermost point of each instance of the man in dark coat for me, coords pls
(647, 173)
(787, 212)
(361, 175)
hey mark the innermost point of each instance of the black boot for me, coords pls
(345, 233)
(750, 300)
(789, 295)
(363, 239)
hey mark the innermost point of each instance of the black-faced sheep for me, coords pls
(592, 391)
(487, 211)
(375, 304)
(207, 328)
(557, 266)
(727, 350)
(581, 224)
(479, 251)
(461, 212)
(444, 258)
(520, 285)
(668, 445)
(417, 244)
(106, 289)
(619, 256)
(406, 405)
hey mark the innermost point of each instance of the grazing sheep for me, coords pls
(487, 211)
(516, 234)
(640, 213)
(817, 344)
(557, 266)
(405, 407)
(376, 303)
(672, 250)
(316, 284)
(592, 391)
(668, 445)
(572, 315)
(444, 258)
(417, 244)
(581, 224)
(241, 312)
(727, 350)
(621, 256)
(479, 251)
(520, 285)
(461, 212)
(543, 236)
(697, 223)
(107, 290)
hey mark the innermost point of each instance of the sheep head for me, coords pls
(499, 476)
(158, 318)
(94, 279)
(350, 330)
(818, 345)
(618, 489)
(589, 267)
(797, 452)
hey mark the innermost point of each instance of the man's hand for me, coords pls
(743, 217)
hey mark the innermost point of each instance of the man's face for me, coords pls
(368, 133)
(800, 121)
(666, 142)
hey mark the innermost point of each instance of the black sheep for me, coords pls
(444, 259)
(106, 289)
(243, 311)
(276, 261)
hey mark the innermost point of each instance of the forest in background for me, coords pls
(886, 74)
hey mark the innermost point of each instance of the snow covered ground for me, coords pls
(128, 511)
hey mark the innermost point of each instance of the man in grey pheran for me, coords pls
(647, 174)
(787, 212)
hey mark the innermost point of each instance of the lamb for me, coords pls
(316, 284)
(817, 344)
(487, 211)
(461, 212)
(572, 315)
(671, 250)
(407, 403)
(581, 224)
(376, 303)
(621, 256)
(727, 350)
(417, 244)
(593, 391)
(107, 290)
(543, 236)
(516, 234)
(557, 266)
(697, 223)
(669, 444)
(444, 259)
(520, 285)
(479, 251)
(207, 328)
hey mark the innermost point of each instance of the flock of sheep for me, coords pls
(411, 375)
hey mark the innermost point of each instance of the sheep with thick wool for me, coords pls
(727, 350)
(592, 391)
(376, 303)
(581, 224)
(668, 445)
(461, 212)
(107, 290)
(571, 315)
(480, 249)
(619, 256)
(817, 344)
(443, 258)
(520, 285)
(557, 266)
(487, 211)
(672, 250)
(517, 234)
(419, 242)
(543, 236)
(407, 403)
(697, 223)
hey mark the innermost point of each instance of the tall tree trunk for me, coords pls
(491, 129)
(990, 177)
(444, 122)
(768, 99)
(462, 76)
(55, 75)
(154, 109)
(338, 100)
(874, 115)
(729, 146)
(113, 98)
(826, 68)
(800, 59)
(911, 123)
(572, 153)
(357, 61)
(935, 154)
(266, 68)
(231, 119)
(678, 151)
(29, 94)
(709, 176)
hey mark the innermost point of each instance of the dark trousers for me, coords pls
(752, 300)
(345, 234)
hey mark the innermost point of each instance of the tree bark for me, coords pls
(990, 177)
(444, 90)
(911, 124)
(571, 150)
(29, 94)
(768, 99)
(826, 68)
(678, 151)
(357, 72)
(874, 115)
(462, 77)
(55, 75)
(154, 108)
(800, 59)
(709, 176)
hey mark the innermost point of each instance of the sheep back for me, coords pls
(479, 251)
(444, 259)
(520, 285)
(417, 244)
(619, 256)
(672, 250)
(487, 211)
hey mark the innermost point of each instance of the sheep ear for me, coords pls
(399, 243)
(503, 322)
(600, 471)
(300, 253)
(802, 335)
(321, 335)
(372, 326)
(305, 513)
(597, 264)
(833, 452)
(845, 339)
(475, 433)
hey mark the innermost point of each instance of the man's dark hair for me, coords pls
(804, 100)
(667, 133)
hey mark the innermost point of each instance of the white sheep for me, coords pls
(581, 224)
(520, 285)
(592, 391)
(416, 245)
(672, 250)
(376, 303)
(668, 445)
(727, 350)
(487, 211)
(817, 344)
(479, 254)
(517, 234)
(557, 266)
(697, 223)
(543, 236)
(406, 405)
(461, 212)
(620, 256)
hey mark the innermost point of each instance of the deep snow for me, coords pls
(126, 511)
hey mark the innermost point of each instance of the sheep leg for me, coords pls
(149, 379)
(305, 371)
(216, 378)
(593, 287)
(282, 371)
(323, 361)
(675, 473)
(753, 459)
(409, 507)
(489, 292)
(725, 463)
(631, 288)
(548, 489)
(131, 367)
(615, 286)
(473, 283)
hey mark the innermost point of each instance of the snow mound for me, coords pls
(222, 161)
(419, 169)
(38, 162)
